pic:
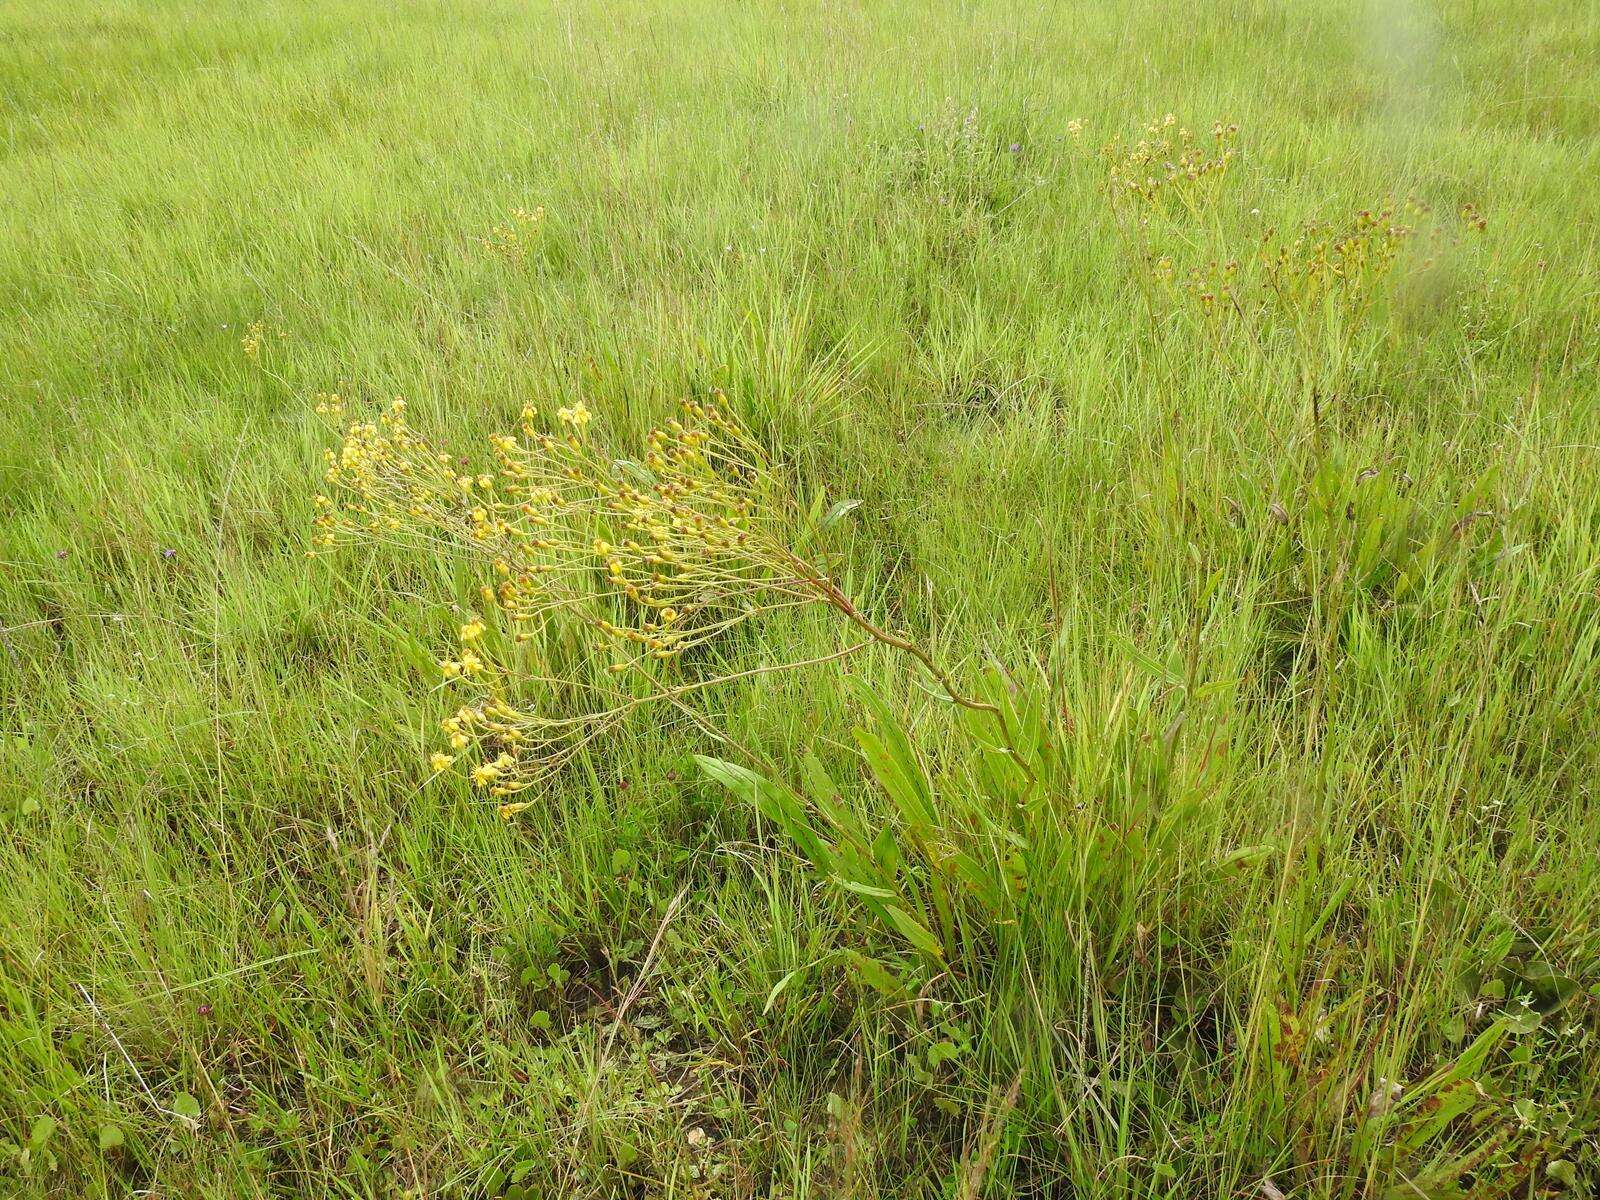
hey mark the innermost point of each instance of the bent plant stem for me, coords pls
(836, 597)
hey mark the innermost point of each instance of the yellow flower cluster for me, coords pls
(650, 557)
(1313, 289)
(1317, 286)
(256, 336)
(512, 239)
(1321, 260)
(1169, 165)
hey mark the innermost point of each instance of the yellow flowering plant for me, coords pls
(1311, 297)
(512, 239)
(646, 560)
(1168, 169)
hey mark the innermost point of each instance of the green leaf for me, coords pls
(837, 513)
(984, 883)
(886, 852)
(40, 1133)
(1442, 1107)
(1469, 1063)
(823, 793)
(639, 472)
(1246, 856)
(866, 889)
(110, 1138)
(1155, 669)
(894, 763)
(185, 1105)
(782, 986)
(741, 781)
(914, 932)
(819, 784)
(773, 801)
(875, 974)
(1524, 1020)
(895, 740)
(905, 785)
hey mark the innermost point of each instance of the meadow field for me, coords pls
(969, 600)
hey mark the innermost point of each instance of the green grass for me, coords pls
(1319, 813)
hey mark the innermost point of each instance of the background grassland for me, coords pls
(247, 948)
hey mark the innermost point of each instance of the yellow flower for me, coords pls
(484, 774)
(578, 415)
(472, 631)
(601, 547)
(668, 615)
(254, 336)
(470, 663)
(441, 762)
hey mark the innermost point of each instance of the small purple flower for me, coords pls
(1016, 147)
(168, 552)
(62, 553)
